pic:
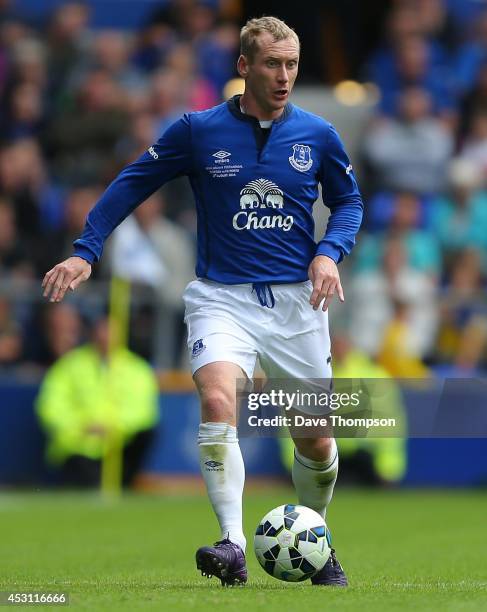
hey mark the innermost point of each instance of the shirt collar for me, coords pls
(234, 107)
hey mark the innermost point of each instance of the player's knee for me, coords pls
(217, 406)
(317, 449)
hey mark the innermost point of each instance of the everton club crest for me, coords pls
(301, 158)
(198, 348)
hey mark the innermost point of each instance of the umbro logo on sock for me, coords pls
(213, 464)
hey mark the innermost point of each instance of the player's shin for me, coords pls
(314, 480)
(223, 471)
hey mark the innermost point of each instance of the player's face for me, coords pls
(270, 75)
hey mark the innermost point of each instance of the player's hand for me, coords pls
(323, 273)
(66, 275)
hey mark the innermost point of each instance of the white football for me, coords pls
(292, 542)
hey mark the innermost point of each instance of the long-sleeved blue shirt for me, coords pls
(254, 200)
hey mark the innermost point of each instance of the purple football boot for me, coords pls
(225, 560)
(331, 574)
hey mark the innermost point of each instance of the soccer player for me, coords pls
(263, 285)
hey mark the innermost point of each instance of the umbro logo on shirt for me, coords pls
(222, 166)
(152, 152)
(221, 156)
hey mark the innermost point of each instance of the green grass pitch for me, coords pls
(403, 550)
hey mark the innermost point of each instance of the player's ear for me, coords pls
(243, 66)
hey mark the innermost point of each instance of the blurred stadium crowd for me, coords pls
(77, 104)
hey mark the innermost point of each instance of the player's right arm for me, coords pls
(65, 275)
(168, 158)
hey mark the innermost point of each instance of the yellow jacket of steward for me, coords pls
(81, 390)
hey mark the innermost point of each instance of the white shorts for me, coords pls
(228, 323)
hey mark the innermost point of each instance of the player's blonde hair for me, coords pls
(254, 27)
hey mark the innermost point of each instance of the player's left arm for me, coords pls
(341, 194)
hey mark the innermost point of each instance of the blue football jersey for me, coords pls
(254, 201)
